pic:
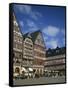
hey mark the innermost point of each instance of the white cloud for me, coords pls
(52, 43)
(55, 40)
(45, 38)
(25, 9)
(30, 23)
(36, 15)
(63, 32)
(33, 29)
(51, 31)
(64, 41)
(21, 23)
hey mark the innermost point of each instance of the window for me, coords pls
(57, 51)
(49, 52)
(16, 28)
(20, 56)
(17, 70)
(38, 40)
(15, 23)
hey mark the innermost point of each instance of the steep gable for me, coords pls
(34, 35)
(16, 27)
(37, 38)
(27, 35)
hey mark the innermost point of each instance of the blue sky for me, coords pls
(50, 20)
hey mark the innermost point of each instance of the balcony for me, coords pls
(16, 64)
(17, 33)
(38, 57)
(26, 65)
(40, 51)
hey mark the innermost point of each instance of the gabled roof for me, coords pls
(27, 35)
(14, 17)
(56, 51)
(34, 35)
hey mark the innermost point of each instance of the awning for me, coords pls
(45, 70)
(30, 69)
(15, 74)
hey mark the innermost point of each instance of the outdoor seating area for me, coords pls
(32, 73)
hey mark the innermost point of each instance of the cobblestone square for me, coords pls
(41, 80)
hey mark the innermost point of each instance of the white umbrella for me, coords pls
(23, 69)
(30, 69)
(45, 70)
(15, 74)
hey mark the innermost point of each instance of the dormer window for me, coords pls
(15, 23)
(29, 35)
(57, 51)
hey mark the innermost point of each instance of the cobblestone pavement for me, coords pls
(41, 80)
